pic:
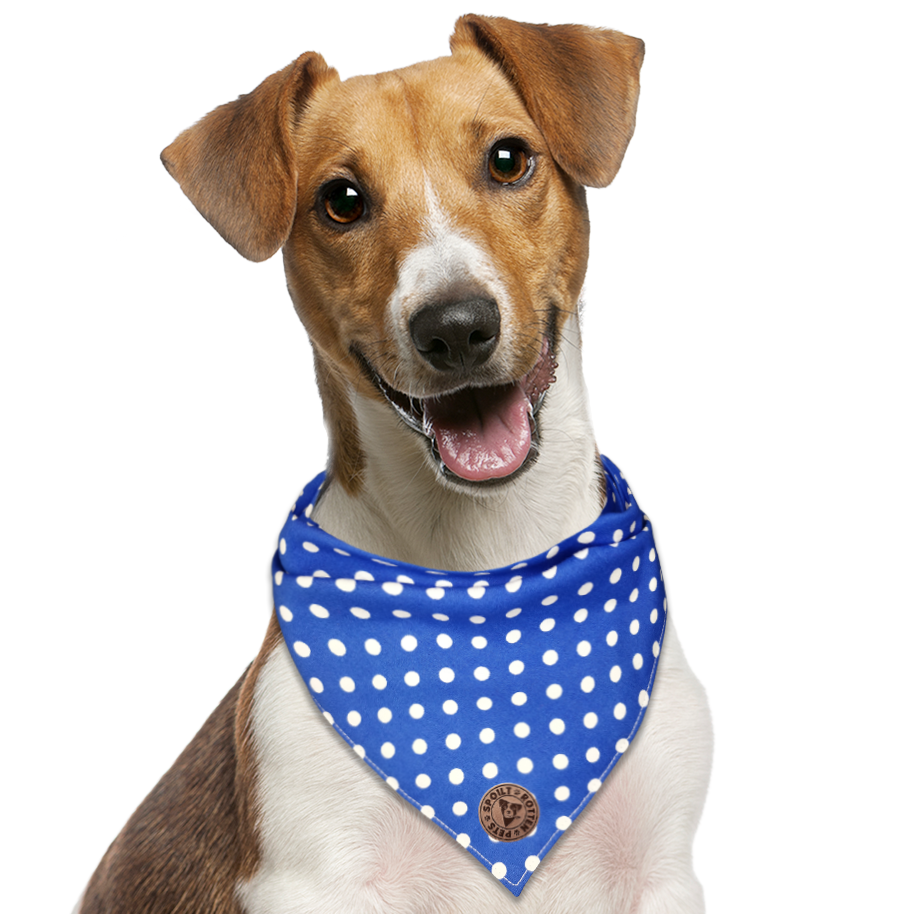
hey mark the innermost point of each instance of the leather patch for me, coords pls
(508, 812)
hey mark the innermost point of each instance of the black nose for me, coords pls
(456, 335)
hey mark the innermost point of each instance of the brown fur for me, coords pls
(254, 169)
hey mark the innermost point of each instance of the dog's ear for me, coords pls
(237, 164)
(579, 84)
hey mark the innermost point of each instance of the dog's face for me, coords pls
(433, 223)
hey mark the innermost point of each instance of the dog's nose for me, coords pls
(456, 335)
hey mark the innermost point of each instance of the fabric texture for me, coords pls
(497, 702)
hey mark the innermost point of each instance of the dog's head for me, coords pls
(433, 224)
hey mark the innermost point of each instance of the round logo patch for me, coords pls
(508, 812)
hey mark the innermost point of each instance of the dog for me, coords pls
(434, 230)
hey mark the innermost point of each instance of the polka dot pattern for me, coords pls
(450, 683)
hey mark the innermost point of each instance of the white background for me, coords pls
(747, 349)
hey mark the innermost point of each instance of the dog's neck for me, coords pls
(405, 512)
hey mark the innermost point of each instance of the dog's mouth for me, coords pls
(479, 434)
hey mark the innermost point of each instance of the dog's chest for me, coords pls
(334, 837)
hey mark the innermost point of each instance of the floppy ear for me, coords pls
(579, 84)
(237, 164)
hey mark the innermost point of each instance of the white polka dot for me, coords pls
(653, 584)
(441, 617)
(562, 822)
(328, 716)
(522, 730)
(612, 638)
(499, 870)
(550, 657)
(345, 584)
(302, 649)
(286, 613)
(481, 673)
(548, 601)
(450, 706)
(656, 648)
(622, 745)
(282, 546)
(310, 547)
(359, 751)
(416, 711)
(513, 636)
(373, 647)
(486, 735)
(516, 667)
(547, 625)
(551, 572)
(582, 554)
(452, 741)
(633, 628)
(560, 761)
(360, 613)
(609, 606)
(633, 595)
(428, 812)
(654, 616)
(361, 575)
(411, 678)
(557, 726)
(443, 583)
(588, 536)
(631, 529)
(435, 593)
(393, 782)
(636, 563)
(514, 584)
(614, 577)
(489, 770)
(423, 781)
(477, 620)
(420, 746)
(394, 588)
(337, 646)
(583, 648)
(278, 578)
(321, 574)
(531, 863)
(512, 613)
(460, 808)
(479, 642)
(319, 611)
(446, 674)
(444, 641)
(524, 765)
(619, 711)
(346, 684)
(483, 703)
(463, 840)
(594, 785)
(408, 643)
(580, 615)
(388, 750)
(615, 674)
(385, 715)
(476, 592)
(304, 580)
(518, 698)
(554, 690)
(553, 552)
(590, 720)
(379, 682)
(643, 698)
(592, 754)
(637, 661)
(653, 555)
(562, 794)
(354, 718)
(402, 614)
(587, 684)
(316, 684)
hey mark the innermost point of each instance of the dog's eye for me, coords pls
(508, 162)
(343, 202)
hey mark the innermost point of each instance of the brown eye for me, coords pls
(508, 162)
(343, 202)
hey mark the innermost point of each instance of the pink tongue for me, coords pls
(481, 433)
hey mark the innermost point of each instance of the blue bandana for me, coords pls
(496, 702)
